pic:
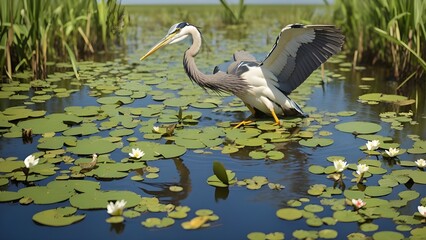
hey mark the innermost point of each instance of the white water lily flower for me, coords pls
(358, 203)
(136, 153)
(362, 168)
(156, 129)
(340, 165)
(392, 152)
(422, 210)
(372, 145)
(30, 161)
(116, 209)
(421, 163)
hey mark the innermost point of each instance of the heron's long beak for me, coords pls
(159, 45)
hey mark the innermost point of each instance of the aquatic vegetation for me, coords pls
(121, 105)
(233, 16)
(390, 32)
(36, 32)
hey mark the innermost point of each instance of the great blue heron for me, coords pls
(263, 86)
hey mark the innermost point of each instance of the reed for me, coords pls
(386, 31)
(33, 31)
(233, 16)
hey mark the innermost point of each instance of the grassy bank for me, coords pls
(390, 32)
(33, 32)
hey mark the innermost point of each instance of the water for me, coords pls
(240, 211)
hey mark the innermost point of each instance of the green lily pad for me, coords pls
(250, 142)
(8, 196)
(377, 191)
(90, 146)
(316, 142)
(43, 125)
(100, 199)
(289, 213)
(46, 195)
(418, 176)
(9, 166)
(369, 227)
(316, 169)
(328, 234)
(314, 208)
(385, 235)
(58, 217)
(358, 127)
(347, 216)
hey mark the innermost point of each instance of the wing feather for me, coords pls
(299, 50)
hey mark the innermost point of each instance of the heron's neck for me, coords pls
(196, 41)
(218, 82)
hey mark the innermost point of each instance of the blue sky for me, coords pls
(217, 1)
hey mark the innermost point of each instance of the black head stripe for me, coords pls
(182, 25)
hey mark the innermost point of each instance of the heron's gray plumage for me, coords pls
(219, 81)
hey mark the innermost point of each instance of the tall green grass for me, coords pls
(233, 16)
(33, 31)
(386, 31)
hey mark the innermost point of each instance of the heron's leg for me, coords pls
(277, 121)
(247, 120)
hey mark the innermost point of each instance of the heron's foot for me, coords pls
(277, 123)
(245, 122)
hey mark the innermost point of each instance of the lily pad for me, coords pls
(358, 127)
(58, 217)
(316, 142)
(100, 199)
(289, 213)
(90, 146)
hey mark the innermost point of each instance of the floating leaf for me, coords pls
(385, 235)
(358, 127)
(347, 216)
(90, 146)
(316, 142)
(46, 195)
(377, 191)
(7, 196)
(58, 217)
(289, 213)
(328, 234)
(100, 199)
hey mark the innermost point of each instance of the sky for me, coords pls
(217, 1)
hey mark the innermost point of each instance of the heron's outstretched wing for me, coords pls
(299, 50)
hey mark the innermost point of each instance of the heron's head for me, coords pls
(176, 33)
